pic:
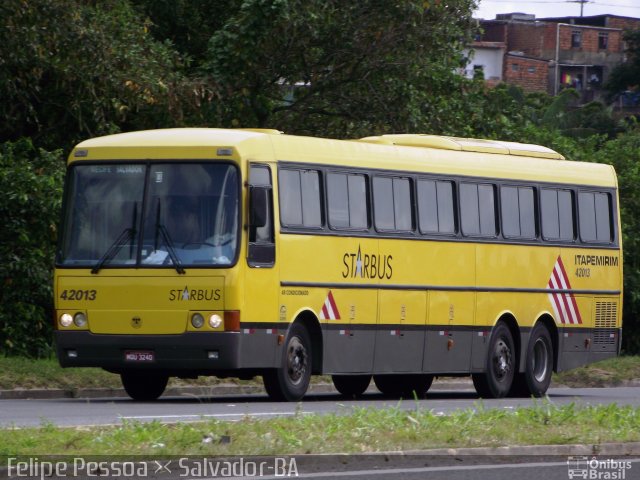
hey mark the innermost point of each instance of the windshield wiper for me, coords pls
(161, 229)
(128, 234)
(170, 248)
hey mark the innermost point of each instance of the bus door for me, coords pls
(261, 283)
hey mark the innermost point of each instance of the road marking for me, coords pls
(213, 415)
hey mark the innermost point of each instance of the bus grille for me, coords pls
(605, 326)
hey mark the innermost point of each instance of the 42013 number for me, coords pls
(583, 272)
(77, 295)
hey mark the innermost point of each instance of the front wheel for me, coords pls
(291, 381)
(144, 386)
(500, 367)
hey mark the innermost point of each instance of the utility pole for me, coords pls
(581, 2)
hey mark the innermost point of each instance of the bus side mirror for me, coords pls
(259, 205)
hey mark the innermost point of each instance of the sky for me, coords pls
(558, 8)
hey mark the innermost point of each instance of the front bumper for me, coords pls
(190, 351)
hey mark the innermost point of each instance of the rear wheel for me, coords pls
(144, 386)
(539, 361)
(405, 385)
(351, 385)
(500, 367)
(291, 381)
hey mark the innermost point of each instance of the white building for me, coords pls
(486, 59)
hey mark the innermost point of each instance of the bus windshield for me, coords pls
(169, 215)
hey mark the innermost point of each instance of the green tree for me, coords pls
(71, 69)
(187, 24)
(624, 154)
(626, 75)
(31, 182)
(339, 68)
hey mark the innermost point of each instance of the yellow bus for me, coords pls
(397, 258)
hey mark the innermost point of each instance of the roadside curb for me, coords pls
(480, 457)
(631, 448)
(444, 458)
(191, 391)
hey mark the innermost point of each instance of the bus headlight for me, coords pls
(215, 320)
(66, 320)
(80, 319)
(197, 320)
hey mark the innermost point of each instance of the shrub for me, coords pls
(31, 185)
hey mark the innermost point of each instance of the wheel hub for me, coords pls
(540, 360)
(296, 360)
(502, 360)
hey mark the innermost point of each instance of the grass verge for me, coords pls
(24, 373)
(608, 373)
(364, 430)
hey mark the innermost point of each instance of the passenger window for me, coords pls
(402, 204)
(290, 197)
(383, 203)
(478, 209)
(557, 215)
(435, 206)
(311, 199)
(347, 198)
(518, 212)
(300, 198)
(392, 204)
(487, 207)
(595, 217)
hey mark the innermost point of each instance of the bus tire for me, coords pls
(144, 386)
(539, 361)
(351, 385)
(499, 373)
(405, 385)
(291, 380)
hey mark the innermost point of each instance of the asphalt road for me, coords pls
(524, 463)
(106, 411)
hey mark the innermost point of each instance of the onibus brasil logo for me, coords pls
(594, 468)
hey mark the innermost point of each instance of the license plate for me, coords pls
(139, 356)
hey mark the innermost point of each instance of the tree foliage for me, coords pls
(626, 75)
(73, 69)
(339, 68)
(624, 154)
(31, 182)
(186, 24)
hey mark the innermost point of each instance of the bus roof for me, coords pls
(405, 152)
(466, 144)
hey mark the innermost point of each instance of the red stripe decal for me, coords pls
(334, 307)
(571, 296)
(564, 298)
